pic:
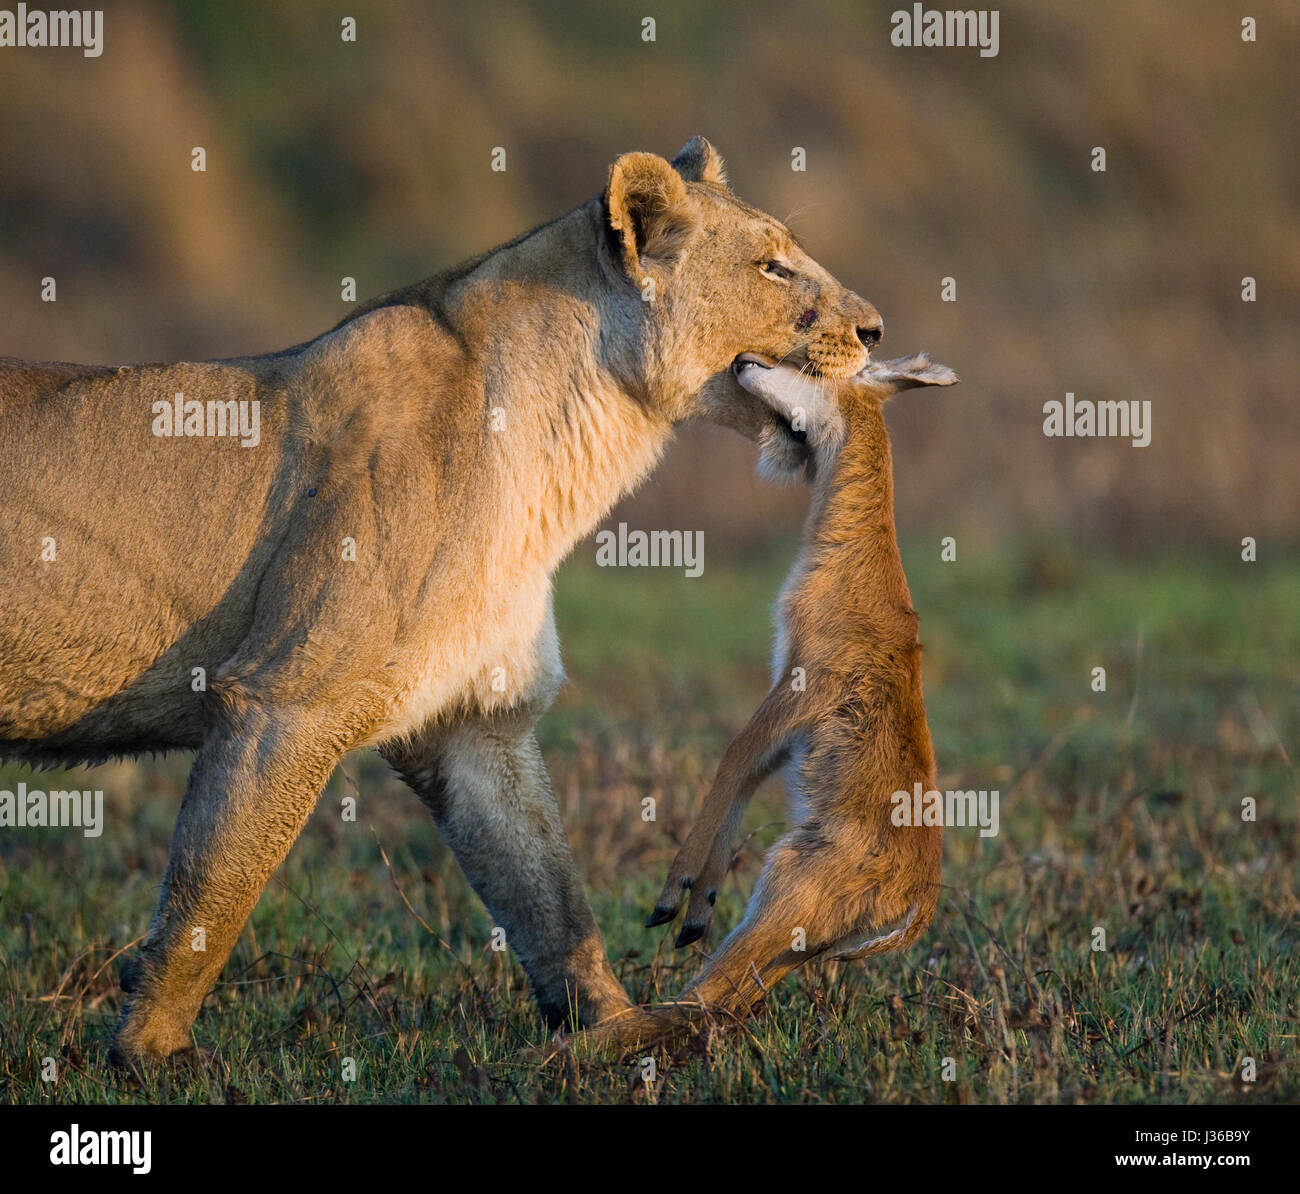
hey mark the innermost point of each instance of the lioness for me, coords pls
(376, 570)
(845, 717)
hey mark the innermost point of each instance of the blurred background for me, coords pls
(372, 160)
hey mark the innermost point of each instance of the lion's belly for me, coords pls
(99, 667)
(498, 657)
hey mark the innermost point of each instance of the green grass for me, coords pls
(1120, 810)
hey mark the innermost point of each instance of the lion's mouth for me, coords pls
(752, 360)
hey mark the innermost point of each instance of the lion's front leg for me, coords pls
(490, 795)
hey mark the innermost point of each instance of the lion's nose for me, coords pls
(871, 333)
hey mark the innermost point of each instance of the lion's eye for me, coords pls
(776, 271)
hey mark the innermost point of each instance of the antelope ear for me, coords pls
(649, 214)
(698, 161)
(886, 378)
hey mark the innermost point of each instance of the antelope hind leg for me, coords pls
(817, 886)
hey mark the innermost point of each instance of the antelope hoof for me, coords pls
(689, 935)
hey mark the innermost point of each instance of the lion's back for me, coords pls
(23, 382)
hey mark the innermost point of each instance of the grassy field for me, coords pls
(1120, 810)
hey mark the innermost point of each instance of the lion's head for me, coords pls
(710, 279)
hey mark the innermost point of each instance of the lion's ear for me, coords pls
(649, 213)
(698, 161)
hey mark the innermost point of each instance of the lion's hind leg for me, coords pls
(252, 787)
